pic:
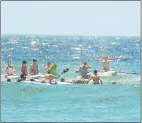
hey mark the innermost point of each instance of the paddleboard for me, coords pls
(28, 76)
(107, 73)
(34, 82)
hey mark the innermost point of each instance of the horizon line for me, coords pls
(6, 34)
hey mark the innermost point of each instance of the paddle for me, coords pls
(64, 71)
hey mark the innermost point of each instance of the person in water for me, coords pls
(47, 66)
(62, 80)
(96, 79)
(9, 70)
(34, 68)
(24, 68)
(83, 70)
(49, 77)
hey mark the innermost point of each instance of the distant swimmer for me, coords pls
(49, 77)
(9, 70)
(105, 63)
(24, 68)
(53, 69)
(96, 79)
(62, 80)
(47, 66)
(83, 70)
(34, 68)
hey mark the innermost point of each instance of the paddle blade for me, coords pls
(65, 70)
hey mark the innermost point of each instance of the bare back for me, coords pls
(34, 69)
(95, 79)
(49, 78)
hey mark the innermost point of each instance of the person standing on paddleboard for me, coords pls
(34, 68)
(105, 63)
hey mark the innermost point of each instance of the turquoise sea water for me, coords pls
(78, 102)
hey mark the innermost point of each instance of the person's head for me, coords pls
(113, 82)
(95, 71)
(105, 58)
(34, 61)
(62, 80)
(24, 62)
(85, 63)
(48, 71)
(48, 63)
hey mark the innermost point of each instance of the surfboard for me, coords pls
(107, 73)
(34, 82)
(28, 76)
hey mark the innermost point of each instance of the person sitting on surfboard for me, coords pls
(9, 70)
(49, 76)
(83, 70)
(24, 68)
(34, 68)
(96, 79)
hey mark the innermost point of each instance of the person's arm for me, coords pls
(100, 81)
(55, 76)
(6, 69)
(37, 69)
(21, 69)
(26, 70)
(88, 66)
(30, 69)
(89, 79)
(46, 67)
(77, 70)
(13, 70)
(101, 61)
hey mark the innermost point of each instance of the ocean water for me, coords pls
(75, 102)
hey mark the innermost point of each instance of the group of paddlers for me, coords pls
(52, 73)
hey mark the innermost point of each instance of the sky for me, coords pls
(95, 18)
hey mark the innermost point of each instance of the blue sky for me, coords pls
(108, 18)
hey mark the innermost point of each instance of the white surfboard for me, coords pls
(28, 76)
(107, 73)
(34, 82)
